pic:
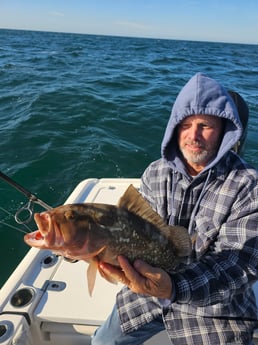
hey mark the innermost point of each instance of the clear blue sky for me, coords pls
(208, 20)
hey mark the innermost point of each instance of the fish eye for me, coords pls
(70, 215)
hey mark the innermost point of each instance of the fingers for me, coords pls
(140, 278)
(105, 275)
(112, 273)
(131, 277)
(128, 269)
(147, 279)
(145, 269)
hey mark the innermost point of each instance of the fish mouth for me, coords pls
(48, 234)
(35, 239)
(61, 237)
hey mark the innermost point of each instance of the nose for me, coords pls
(194, 132)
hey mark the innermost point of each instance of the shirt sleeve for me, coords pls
(231, 266)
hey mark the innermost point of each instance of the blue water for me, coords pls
(79, 106)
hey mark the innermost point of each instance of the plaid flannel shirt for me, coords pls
(214, 302)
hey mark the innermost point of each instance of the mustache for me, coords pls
(195, 143)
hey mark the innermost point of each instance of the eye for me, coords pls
(207, 126)
(184, 126)
(204, 125)
(70, 215)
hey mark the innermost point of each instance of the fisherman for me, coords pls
(201, 184)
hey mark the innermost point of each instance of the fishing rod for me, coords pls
(29, 206)
(32, 199)
(21, 189)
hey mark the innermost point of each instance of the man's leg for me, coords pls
(110, 332)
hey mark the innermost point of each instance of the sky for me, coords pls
(234, 21)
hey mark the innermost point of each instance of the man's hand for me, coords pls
(140, 278)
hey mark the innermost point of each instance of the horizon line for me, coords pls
(128, 36)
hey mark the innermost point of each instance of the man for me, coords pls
(201, 184)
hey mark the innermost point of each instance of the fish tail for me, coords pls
(180, 239)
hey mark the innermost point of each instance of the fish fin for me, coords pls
(134, 202)
(91, 274)
(179, 237)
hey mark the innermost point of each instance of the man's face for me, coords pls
(199, 137)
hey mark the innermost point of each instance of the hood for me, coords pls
(202, 95)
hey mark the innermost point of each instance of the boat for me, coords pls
(46, 301)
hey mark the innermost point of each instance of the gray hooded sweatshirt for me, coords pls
(202, 95)
(213, 301)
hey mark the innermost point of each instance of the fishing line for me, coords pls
(11, 226)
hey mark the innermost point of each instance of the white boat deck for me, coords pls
(46, 300)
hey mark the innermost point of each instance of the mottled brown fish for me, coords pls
(99, 232)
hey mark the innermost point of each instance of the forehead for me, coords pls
(208, 119)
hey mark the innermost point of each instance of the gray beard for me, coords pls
(200, 158)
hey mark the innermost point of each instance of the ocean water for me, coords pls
(78, 106)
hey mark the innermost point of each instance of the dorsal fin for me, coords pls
(134, 202)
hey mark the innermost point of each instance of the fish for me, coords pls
(96, 232)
